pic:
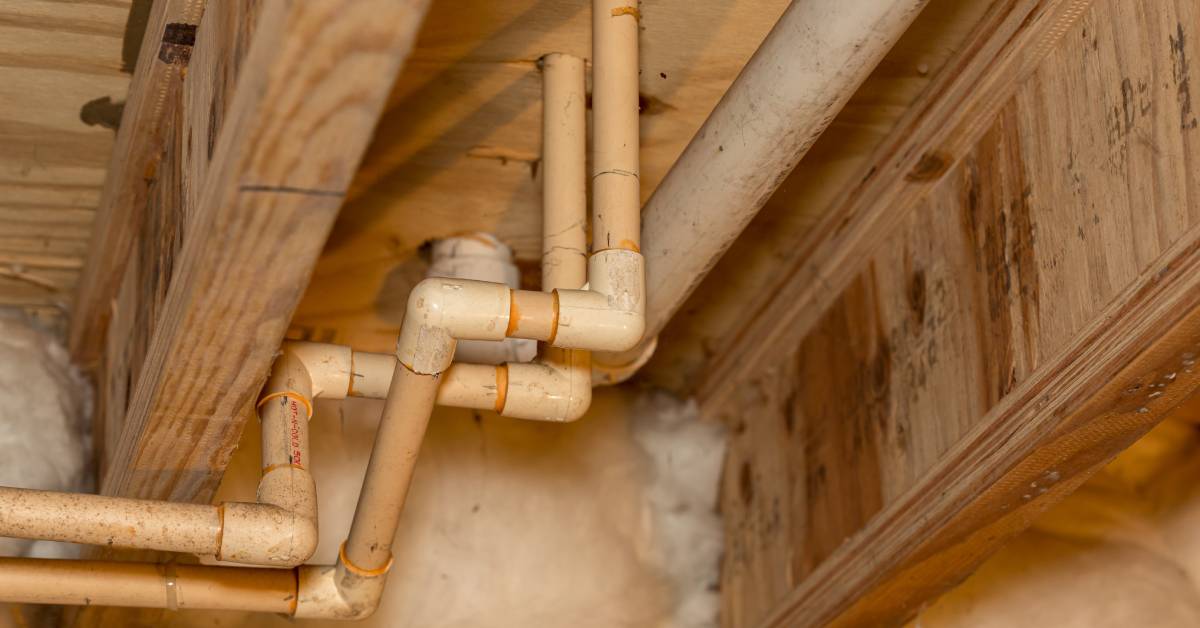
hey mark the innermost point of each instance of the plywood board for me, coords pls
(63, 76)
(1030, 316)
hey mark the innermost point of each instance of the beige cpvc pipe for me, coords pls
(594, 303)
(278, 531)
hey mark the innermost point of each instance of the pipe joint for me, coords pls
(340, 591)
(610, 315)
(442, 311)
(557, 388)
(266, 535)
(328, 366)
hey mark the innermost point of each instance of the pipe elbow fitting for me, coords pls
(557, 389)
(330, 367)
(610, 315)
(278, 531)
(442, 311)
(338, 591)
(266, 535)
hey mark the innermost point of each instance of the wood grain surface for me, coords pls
(1026, 319)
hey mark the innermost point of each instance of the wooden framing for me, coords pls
(62, 77)
(1004, 298)
(153, 90)
(1001, 303)
(276, 106)
(210, 251)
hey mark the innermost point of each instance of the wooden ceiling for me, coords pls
(457, 149)
(63, 74)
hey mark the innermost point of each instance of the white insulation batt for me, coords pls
(609, 522)
(44, 434)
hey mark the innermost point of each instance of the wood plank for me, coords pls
(243, 172)
(1029, 317)
(195, 115)
(153, 92)
(62, 78)
(281, 164)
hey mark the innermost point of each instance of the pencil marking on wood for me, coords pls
(283, 189)
(1182, 75)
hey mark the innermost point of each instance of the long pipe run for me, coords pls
(812, 61)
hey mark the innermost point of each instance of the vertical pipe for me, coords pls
(564, 194)
(616, 191)
(389, 474)
(284, 411)
(564, 168)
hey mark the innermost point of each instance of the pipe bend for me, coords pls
(610, 313)
(266, 535)
(338, 591)
(442, 311)
(556, 388)
(329, 366)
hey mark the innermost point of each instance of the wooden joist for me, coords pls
(153, 90)
(300, 96)
(61, 69)
(1002, 305)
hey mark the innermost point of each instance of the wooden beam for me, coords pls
(1031, 314)
(306, 99)
(155, 85)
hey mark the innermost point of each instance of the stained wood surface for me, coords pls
(1023, 321)
(458, 150)
(146, 133)
(63, 76)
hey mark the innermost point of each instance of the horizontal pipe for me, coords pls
(554, 388)
(483, 257)
(110, 521)
(146, 585)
